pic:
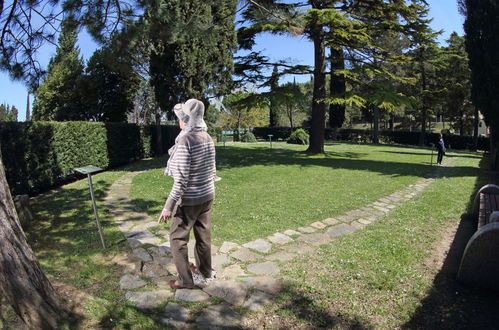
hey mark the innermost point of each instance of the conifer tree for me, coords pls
(273, 104)
(57, 98)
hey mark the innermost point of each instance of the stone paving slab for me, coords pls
(291, 232)
(259, 245)
(244, 255)
(174, 315)
(148, 299)
(318, 225)
(160, 250)
(194, 295)
(330, 221)
(219, 317)
(228, 246)
(141, 254)
(279, 238)
(340, 229)
(257, 301)
(307, 229)
(231, 272)
(145, 226)
(266, 284)
(281, 256)
(357, 225)
(219, 261)
(229, 290)
(300, 248)
(315, 239)
(263, 268)
(129, 282)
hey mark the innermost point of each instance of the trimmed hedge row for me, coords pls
(400, 137)
(40, 155)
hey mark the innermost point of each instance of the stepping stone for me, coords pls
(163, 281)
(372, 218)
(231, 272)
(266, 284)
(160, 250)
(384, 200)
(307, 229)
(315, 239)
(174, 315)
(153, 270)
(218, 261)
(291, 232)
(259, 245)
(129, 282)
(364, 221)
(143, 236)
(219, 317)
(390, 206)
(300, 248)
(147, 225)
(281, 256)
(330, 221)
(279, 238)
(318, 225)
(382, 209)
(244, 255)
(149, 299)
(229, 290)
(345, 218)
(257, 301)
(141, 254)
(193, 295)
(340, 229)
(125, 226)
(379, 204)
(377, 212)
(227, 246)
(357, 225)
(134, 243)
(163, 233)
(264, 268)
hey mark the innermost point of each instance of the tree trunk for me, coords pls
(23, 284)
(337, 87)
(424, 111)
(319, 93)
(476, 121)
(375, 124)
(159, 134)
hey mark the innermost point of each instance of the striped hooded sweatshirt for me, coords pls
(193, 170)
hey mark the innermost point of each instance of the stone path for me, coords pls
(247, 274)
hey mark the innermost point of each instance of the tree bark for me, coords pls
(159, 134)
(318, 119)
(23, 284)
(375, 124)
(424, 110)
(476, 121)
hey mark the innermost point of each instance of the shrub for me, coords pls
(278, 133)
(40, 155)
(299, 136)
(248, 137)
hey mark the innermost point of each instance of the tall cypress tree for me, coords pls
(57, 98)
(274, 104)
(482, 44)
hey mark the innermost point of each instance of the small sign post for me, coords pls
(270, 138)
(88, 170)
(431, 159)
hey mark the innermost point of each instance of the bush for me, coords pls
(278, 133)
(299, 136)
(40, 155)
(248, 137)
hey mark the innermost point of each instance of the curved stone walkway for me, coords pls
(246, 273)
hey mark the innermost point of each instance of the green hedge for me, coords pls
(41, 155)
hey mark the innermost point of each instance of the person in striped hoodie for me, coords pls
(192, 166)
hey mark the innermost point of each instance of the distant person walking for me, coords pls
(192, 166)
(440, 149)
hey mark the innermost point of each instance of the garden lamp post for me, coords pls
(88, 170)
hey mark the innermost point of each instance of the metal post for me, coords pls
(95, 210)
(270, 138)
(431, 159)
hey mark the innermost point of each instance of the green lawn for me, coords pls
(375, 278)
(264, 191)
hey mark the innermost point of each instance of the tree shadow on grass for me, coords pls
(450, 304)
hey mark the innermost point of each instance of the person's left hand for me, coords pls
(165, 215)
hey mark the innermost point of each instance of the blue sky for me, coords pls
(444, 13)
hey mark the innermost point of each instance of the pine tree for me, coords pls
(273, 104)
(57, 98)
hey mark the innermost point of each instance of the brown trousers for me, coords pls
(185, 218)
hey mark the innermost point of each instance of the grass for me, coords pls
(264, 191)
(385, 276)
(376, 277)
